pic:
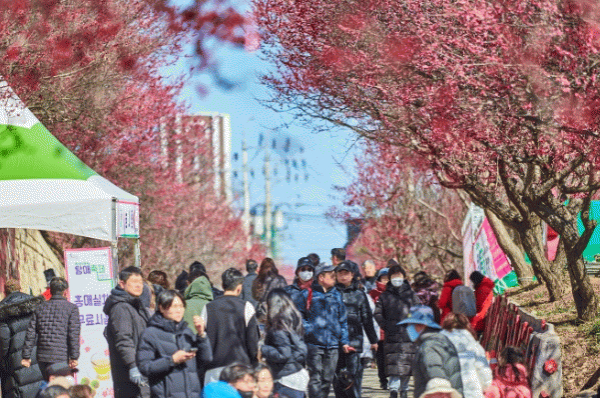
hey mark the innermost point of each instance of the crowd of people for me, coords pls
(260, 337)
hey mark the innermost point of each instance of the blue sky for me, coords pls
(326, 158)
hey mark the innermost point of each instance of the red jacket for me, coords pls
(483, 290)
(445, 301)
(485, 287)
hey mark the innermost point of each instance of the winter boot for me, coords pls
(393, 394)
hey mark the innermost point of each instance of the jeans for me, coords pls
(321, 363)
(398, 383)
(352, 363)
(287, 392)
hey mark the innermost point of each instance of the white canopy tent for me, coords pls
(44, 186)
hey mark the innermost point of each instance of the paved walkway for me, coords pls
(370, 386)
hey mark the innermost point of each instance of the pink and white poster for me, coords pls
(89, 272)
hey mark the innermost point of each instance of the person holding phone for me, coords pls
(169, 352)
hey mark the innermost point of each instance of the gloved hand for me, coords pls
(137, 378)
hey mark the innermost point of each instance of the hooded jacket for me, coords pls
(127, 319)
(325, 322)
(436, 357)
(445, 301)
(159, 341)
(359, 315)
(56, 327)
(392, 307)
(16, 311)
(196, 295)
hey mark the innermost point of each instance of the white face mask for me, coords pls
(305, 275)
(397, 282)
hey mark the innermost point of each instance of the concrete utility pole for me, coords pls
(246, 213)
(268, 215)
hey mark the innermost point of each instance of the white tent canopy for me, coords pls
(44, 186)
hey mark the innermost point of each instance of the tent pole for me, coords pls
(137, 253)
(115, 243)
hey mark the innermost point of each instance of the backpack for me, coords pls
(463, 301)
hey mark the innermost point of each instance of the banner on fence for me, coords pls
(89, 272)
(482, 252)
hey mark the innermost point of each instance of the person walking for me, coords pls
(16, 311)
(305, 271)
(198, 293)
(436, 356)
(127, 319)
(484, 292)
(370, 275)
(268, 279)
(359, 318)
(231, 326)
(338, 255)
(326, 330)
(475, 371)
(452, 279)
(284, 349)
(380, 286)
(392, 307)
(428, 292)
(168, 351)
(55, 326)
(251, 267)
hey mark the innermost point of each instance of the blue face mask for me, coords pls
(413, 335)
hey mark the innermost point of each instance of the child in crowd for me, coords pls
(510, 377)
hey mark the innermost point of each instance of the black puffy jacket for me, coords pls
(16, 311)
(127, 319)
(284, 352)
(56, 325)
(161, 339)
(392, 307)
(359, 315)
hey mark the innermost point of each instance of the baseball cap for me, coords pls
(345, 265)
(305, 262)
(323, 268)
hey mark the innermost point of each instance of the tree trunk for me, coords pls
(523, 270)
(531, 239)
(586, 301)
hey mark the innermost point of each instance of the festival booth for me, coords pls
(44, 186)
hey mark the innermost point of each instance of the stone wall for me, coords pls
(24, 255)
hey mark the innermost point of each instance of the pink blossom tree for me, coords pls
(498, 99)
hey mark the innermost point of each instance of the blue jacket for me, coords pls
(295, 292)
(161, 339)
(325, 322)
